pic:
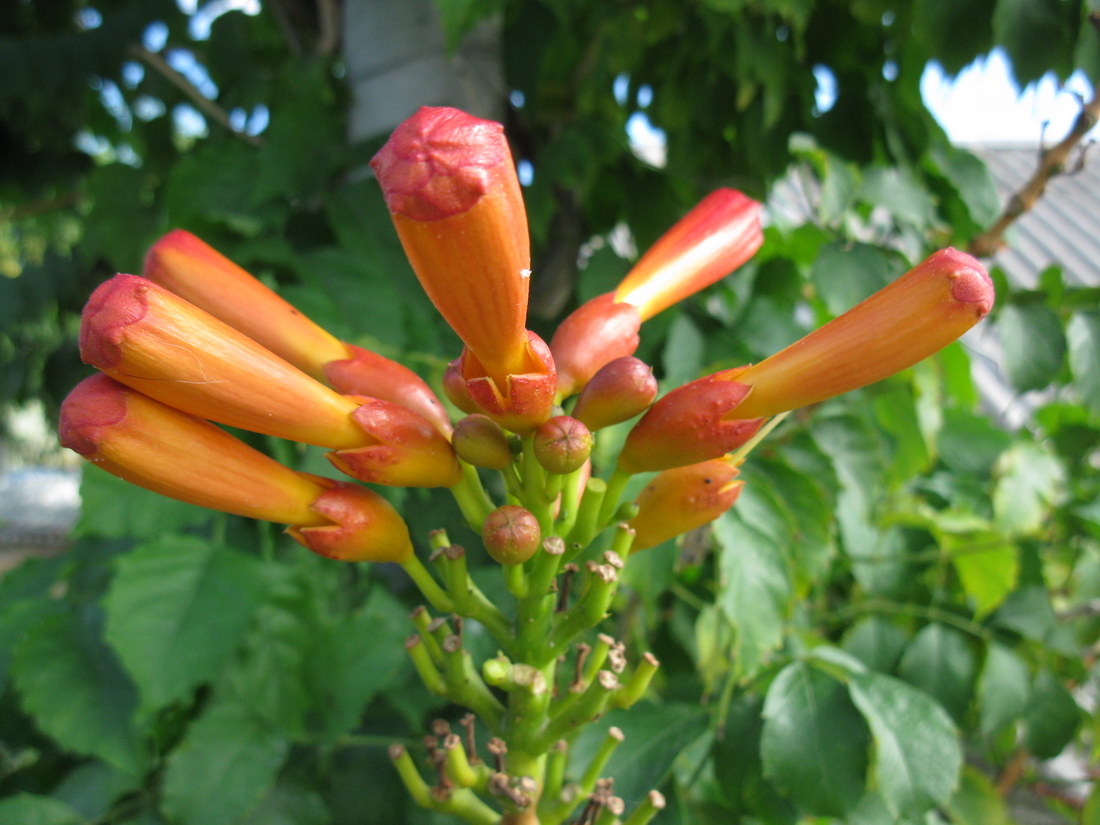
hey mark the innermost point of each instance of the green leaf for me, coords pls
(968, 174)
(988, 566)
(1090, 814)
(917, 753)
(683, 354)
(1032, 343)
(176, 609)
(655, 735)
(900, 193)
(875, 641)
(352, 659)
(1029, 482)
(31, 809)
(844, 275)
(224, 766)
(814, 743)
(113, 508)
(969, 443)
(1003, 688)
(977, 801)
(73, 686)
(1038, 35)
(940, 662)
(1084, 344)
(755, 590)
(1051, 718)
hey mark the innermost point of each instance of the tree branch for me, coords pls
(204, 104)
(1052, 162)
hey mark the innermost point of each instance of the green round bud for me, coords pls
(511, 534)
(480, 441)
(562, 444)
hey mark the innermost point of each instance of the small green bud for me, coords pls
(480, 441)
(511, 534)
(562, 444)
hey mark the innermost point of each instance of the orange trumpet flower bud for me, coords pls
(452, 191)
(683, 499)
(523, 401)
(150, 339)
(594, 334)
(405, 449)
(364, 527)
(368, 373)
(183, 457)
(692, 423)
(154, 341)
(708, 243)
(196, 272)
(915, 316)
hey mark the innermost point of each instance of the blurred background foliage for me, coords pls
(898, 621)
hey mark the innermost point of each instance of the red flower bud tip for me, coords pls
(690, 424)
(365, 528)
(594, 334)
(522, 402)
(189, 268)
(511, 534)
(917, 315)
(709, 242)
(683, 499)
(403, 449)
(480, 441)
(451, 188)
(146, 337)
(180, 456)
(562, 444)
(373, 375)
(622, 389)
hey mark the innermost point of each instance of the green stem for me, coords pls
(471, 498)
(615, 487)
(570, 502)
(427, 585)
(588, 514)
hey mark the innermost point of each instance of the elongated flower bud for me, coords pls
(708, 243)
(915, 316)
(690, 424)
(683, 499)
(368, 373)
(178, 455)
(405, 449)
(152, 340)
(619, 391)
(196, 272)
(591, 336)
(451, 188)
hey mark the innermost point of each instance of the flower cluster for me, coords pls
(196, 341)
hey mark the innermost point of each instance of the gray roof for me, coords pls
(1062, 229)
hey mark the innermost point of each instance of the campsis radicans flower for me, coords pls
(454, 197)
(192, 269)
(682, 499)
(183, 457)
(159, 344)
(720, 234)
(915, 316)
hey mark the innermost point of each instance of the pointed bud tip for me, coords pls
(970, 283)
(114, 305)
(436, 163)
(93, 404)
